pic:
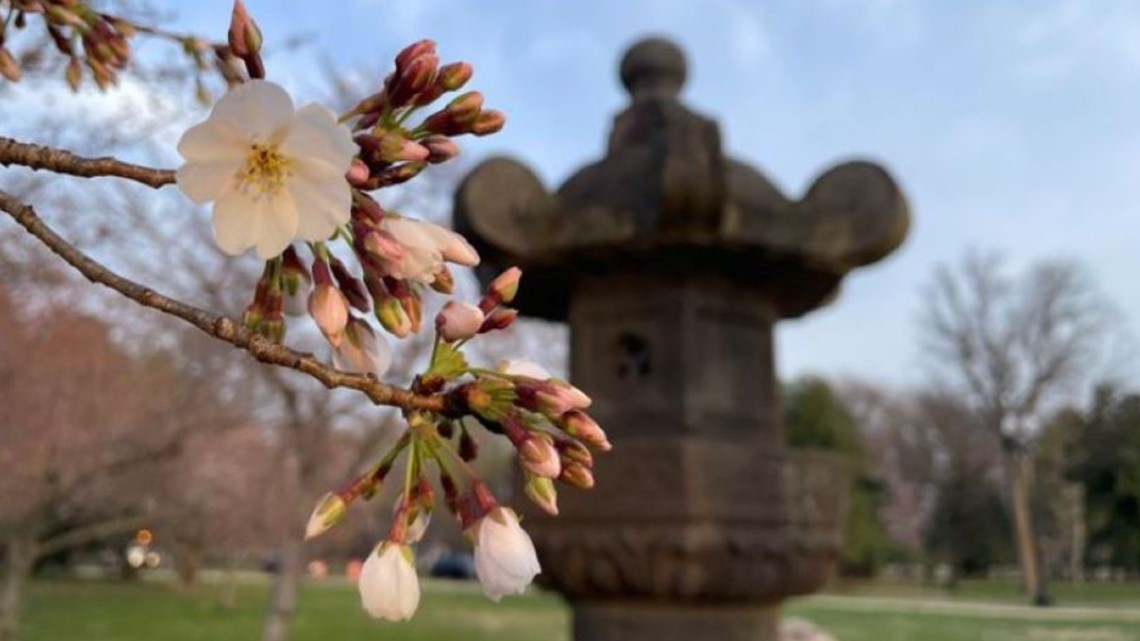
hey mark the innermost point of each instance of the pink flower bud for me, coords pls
(578, 424)
(394, 147)
(454, 75)
(458, 321)
(501, 318)
(505, 286)
(540, 490)
(488, 122)
(577, 475)
(358, 173)
(245, 36)
(440, 148)
(383, 247)
(573, 451)
(457, 250)
(329, 309)
(538, 456)
(464, 110)
(416, 76)
(413, 51)
(362, 351)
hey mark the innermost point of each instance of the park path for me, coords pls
(1125, 612)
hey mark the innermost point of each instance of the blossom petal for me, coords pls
(235, 224)
(277, 224)
(206, 181)
(314, 133)
(389, 587)
(258, 108)
(323, 198)
(213, 140)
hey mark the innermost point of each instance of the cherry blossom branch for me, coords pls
(222, 327)
(36, 157)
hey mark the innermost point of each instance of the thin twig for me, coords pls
(61, 161)
(220, 327)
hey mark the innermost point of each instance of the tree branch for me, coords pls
(89, 533)
(220, 327)
(14, 152)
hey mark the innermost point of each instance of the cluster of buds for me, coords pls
(544, 419)
(314, 187)
(400, 258)
(103, 39)
(98, 44)
(393, 151)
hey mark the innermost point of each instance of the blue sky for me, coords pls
(1011, 125)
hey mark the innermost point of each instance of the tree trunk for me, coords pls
(286, 585)
(20, 558)
(1020, 473)
(188, 561)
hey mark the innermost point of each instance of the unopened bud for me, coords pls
(440, 149)
(488, 122)
(252, 316)
(537, 455)
(458, 321)
(505, 286)
(330, 510)
(577, 475)
(578, 424)
(540, 490)
(454, 75)
(73, 74)
(501, 318)
(329, 309)
(464, 110)
(244, 36)
(415, 77)
(358, 173)
(393, 318)
(350, 285)
(413, 51)
(573, 451)
(9, 68)
(293, 271)
(443, 282)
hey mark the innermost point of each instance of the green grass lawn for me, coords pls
(94, 611)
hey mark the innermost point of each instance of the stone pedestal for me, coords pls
(672, 264)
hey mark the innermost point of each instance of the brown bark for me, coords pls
(1020, 474)
(286, 588)
(19, 559)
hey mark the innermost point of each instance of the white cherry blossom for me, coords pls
(389, 587)
(505, 560)
(275, 174)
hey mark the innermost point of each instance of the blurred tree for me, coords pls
(1013, 349)
(948, 454)
(1106, 460)
(817, 418)
(82, 424)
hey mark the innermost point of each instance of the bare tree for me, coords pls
(1014, 348)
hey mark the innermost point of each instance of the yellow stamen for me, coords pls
(265, 170)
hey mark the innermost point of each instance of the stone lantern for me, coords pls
(672, 263)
